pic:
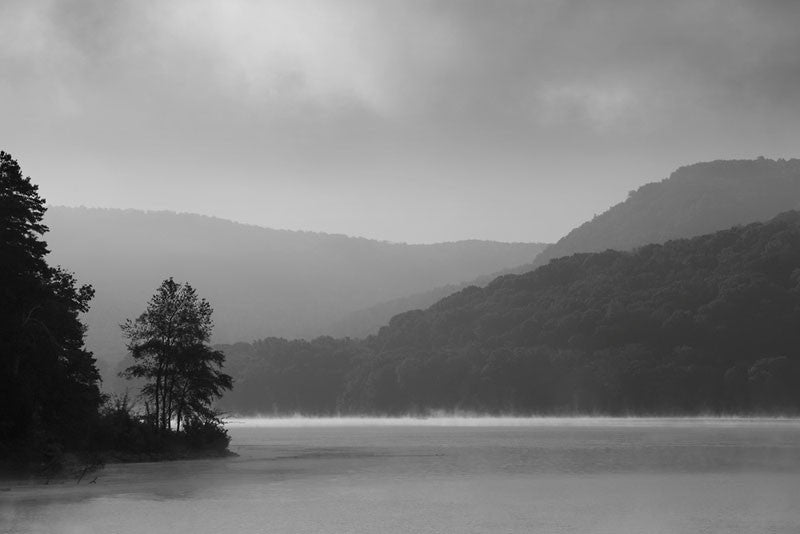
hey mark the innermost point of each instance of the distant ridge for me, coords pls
(365, 322)
(260, 281)
(706, 325)
(695, 200)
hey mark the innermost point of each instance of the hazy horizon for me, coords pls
(291, 230)
(412, 122)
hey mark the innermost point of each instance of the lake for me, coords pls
(438, 475)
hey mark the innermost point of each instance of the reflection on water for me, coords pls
(446, 475)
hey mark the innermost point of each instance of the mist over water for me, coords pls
(477, 420)
(446, 474)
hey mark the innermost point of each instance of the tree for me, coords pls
(49, 390)
(169, 345)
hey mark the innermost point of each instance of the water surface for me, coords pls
(445, 475)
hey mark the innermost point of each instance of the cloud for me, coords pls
(329, 98)
(302, 51)
(600, 105)
(594, 63)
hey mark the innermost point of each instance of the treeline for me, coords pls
(703, 325)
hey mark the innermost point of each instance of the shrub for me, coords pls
(206, 435)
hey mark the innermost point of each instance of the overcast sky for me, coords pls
(397, 120)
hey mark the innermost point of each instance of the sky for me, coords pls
(400, 120)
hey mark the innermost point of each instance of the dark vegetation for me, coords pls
(123, 434)
(51, 408)
(694, 326)
(49, 393)
(169, 346)
(695, 200)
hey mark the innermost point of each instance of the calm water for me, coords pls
(445, 475)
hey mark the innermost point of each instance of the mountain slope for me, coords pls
(694, 200)
(366, 322)
(260, 281)
(698, 325)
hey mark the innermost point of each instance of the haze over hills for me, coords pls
(696, 199)
(368, 321)
(260, 281)
(702, 325)
(265, 282)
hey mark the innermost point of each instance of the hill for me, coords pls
(261, 282)
(366, 322)
(702, 325)
(694, 200)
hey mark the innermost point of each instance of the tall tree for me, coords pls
(169, 345)
(48, 382)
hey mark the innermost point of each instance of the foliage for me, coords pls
(277, 375)
(49, 391)
(204, 434)
(119, 428)
(169, 346)
(702, 325)
(123, 433)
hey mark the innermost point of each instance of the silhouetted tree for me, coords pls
(49, 391)
(169, 344)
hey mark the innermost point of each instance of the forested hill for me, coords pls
(368, 321)
(260, 281)
(694, 200)
(702, 325)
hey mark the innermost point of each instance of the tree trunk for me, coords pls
(158, 401)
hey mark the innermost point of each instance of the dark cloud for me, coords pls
(366, 111)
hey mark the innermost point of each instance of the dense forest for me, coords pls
(696, 199)
(49, 384)
(262, 281)
(53, 414)
(701, 325)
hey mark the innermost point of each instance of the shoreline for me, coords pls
(82, 465)
(122, 457)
